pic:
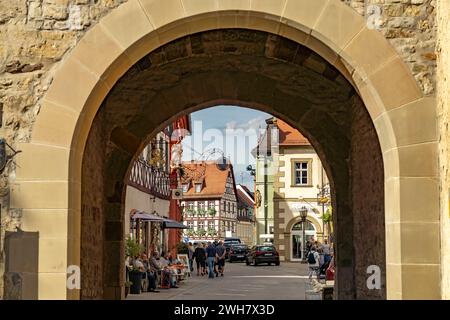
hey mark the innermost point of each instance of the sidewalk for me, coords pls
(166, 294)
(241, 282)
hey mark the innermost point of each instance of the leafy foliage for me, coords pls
(182, 248)
(133, 248)
(327, 216)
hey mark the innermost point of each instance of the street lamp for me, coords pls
(303, 215)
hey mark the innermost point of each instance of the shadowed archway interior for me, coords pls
(251, 69)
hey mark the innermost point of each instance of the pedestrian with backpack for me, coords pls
(313, 258)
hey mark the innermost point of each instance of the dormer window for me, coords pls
(198, 187)
(185, 187)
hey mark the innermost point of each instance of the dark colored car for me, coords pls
(238, 252)
(263, 254)
(228, 242)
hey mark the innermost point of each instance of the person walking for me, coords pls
(326, 251)
(200, 258)
(313, 262)
(191, 256)
(211, 256)
(220, 254)
(205, 271)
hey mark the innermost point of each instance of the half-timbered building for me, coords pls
(209, 201)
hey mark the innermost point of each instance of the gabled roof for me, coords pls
(245, 196)
(212, 178)
(250, 193)
(287, 136)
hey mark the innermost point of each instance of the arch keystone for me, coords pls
(275, 7)
(302, 14)
(161, 13)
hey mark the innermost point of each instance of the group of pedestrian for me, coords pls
(320, 259)
(209, 258)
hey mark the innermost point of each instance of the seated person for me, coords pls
(167, 271)
(152, 272)
(138, 264)
(330, 270)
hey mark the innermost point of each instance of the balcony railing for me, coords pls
(150, 180)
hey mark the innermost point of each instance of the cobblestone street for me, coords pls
(285, 282)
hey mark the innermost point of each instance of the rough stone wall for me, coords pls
(410, 27)
(92, 215)
(443, 96)
(367, 184)
(35, 35)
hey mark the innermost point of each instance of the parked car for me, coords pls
(238, 252)
(232, 240)
(263, 254)
(227, 242)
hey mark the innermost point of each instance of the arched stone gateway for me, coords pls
(375, 113)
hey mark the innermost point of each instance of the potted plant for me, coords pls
(201, 232)
(133, 250)
(201, 212)
(182, 248)
(212, 212)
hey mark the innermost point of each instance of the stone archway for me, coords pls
(288, 233)
(329, 28)
(310, 218)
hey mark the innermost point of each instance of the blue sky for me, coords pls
(233, 130)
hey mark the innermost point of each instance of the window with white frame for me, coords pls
(223, 227)
(198, 187)
(190, 205)
(211, 205)
(185, 187)
(211, 225)
(301, 172)
(201, 225)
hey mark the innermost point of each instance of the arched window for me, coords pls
(298, 226)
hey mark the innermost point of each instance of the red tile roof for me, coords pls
(290, 136)
(214, 180)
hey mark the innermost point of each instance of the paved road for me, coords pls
(241, 282)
